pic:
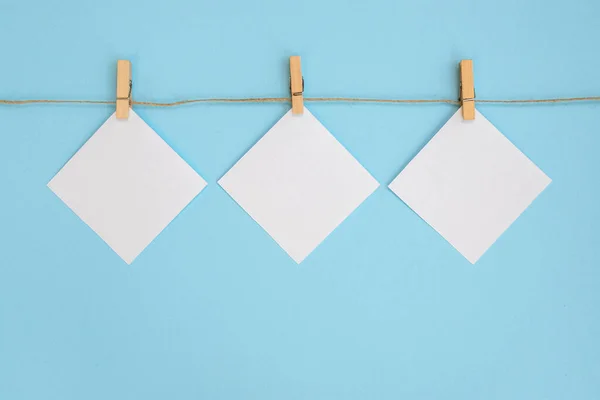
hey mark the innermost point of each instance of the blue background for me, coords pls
(384, 308)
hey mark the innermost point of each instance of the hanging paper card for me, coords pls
(470, 183)
(299, 183)
(127, 184)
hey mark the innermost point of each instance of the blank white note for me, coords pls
(299, 183)
(470, 183)
(127, 184)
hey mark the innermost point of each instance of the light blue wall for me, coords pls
(384, 308)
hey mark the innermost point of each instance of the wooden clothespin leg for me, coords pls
(467, 90)
(296, 85)
(123, 88)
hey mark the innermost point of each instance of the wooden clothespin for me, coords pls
(296, 85)
(467, 90)
(123, 88)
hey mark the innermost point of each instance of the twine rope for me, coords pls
(308, 99)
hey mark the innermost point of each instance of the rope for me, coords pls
(308, 99)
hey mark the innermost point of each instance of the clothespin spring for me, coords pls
(129, 95)
(297, 93)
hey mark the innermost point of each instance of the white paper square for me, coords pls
(127, 184)
(470, 183)
(299, 183)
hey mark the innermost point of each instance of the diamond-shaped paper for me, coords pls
(470, 183)
(299, 183)
(127, 184)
